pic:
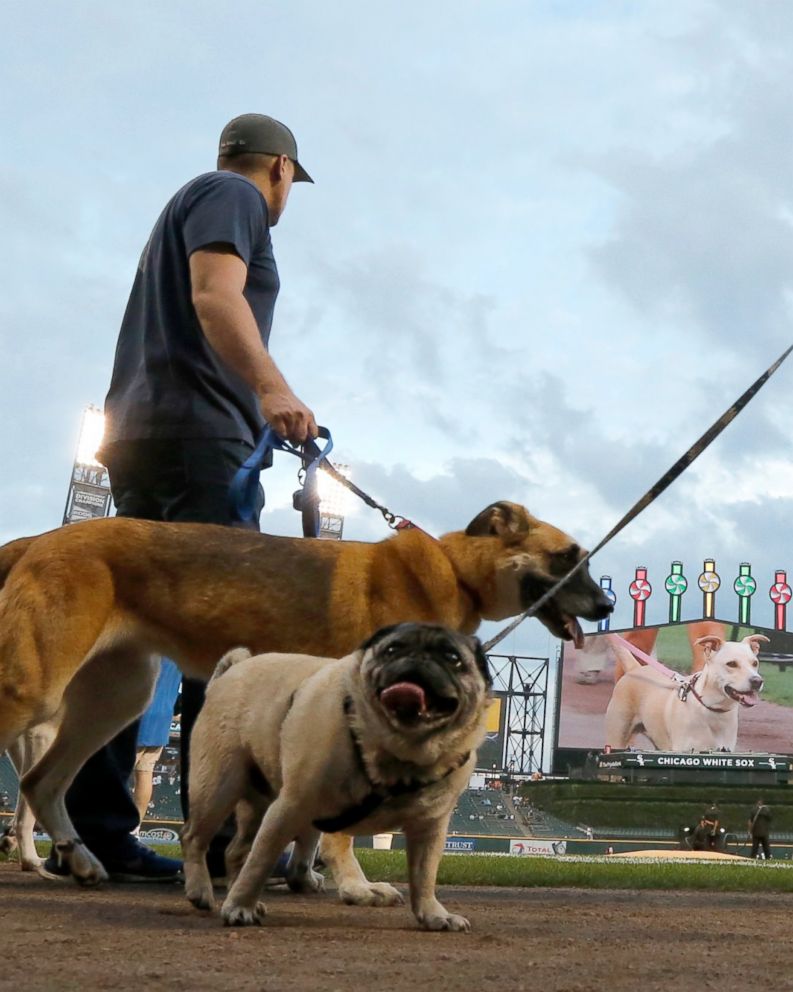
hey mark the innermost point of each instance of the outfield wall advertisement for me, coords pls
(741, 701)
(490, 754)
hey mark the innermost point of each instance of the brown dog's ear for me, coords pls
(500, 519)
(710, 644)
(753, 640)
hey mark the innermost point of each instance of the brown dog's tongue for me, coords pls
(404, 697)
(575, 631)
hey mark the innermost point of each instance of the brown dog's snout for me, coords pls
(603, 609)
(598, 605)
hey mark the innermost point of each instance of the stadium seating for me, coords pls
(8, 785)
(486, 812)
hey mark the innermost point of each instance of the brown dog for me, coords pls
(84, 608)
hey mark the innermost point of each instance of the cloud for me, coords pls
(701, 234)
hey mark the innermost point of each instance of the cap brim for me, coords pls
(301, 176)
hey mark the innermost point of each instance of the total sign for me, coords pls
(535, 847)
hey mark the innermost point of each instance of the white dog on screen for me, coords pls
(706, 719)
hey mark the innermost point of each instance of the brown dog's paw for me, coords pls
(201, 898)
(78, 861)
(306, 881)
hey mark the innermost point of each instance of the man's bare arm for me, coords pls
(217, 277)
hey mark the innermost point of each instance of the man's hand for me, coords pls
(287, 416)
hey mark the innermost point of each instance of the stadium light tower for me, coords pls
(89, 489)
(334, 501)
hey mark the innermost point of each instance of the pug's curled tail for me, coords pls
(229, 658)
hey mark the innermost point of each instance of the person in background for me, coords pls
(154, 732)
(760, 829)
(712, 821)
(701, 836)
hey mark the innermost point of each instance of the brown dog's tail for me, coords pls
(10, 555)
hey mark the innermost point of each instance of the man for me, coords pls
(193, 384)
(712, 820)
(760, 829)
(700, 836)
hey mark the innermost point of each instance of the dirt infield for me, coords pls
(146, 938)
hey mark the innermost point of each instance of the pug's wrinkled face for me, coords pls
(423, 677)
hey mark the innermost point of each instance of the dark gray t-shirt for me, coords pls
(167, 381)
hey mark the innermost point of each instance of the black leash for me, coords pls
(394, 520)
(652, 494)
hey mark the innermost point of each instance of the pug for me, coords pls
(384, 738)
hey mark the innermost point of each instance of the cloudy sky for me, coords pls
(548, 244)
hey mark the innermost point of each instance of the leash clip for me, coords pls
(686, 686)
(396, 522)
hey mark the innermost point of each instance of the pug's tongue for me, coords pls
(404, 698)
(573, 628)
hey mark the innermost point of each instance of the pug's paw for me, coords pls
(370, 894)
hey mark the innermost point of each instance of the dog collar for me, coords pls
(696, 695)
(378, 793)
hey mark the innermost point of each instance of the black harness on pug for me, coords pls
(379, 793)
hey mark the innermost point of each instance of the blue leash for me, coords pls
(245, 484)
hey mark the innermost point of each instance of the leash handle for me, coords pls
(310, 498)
(245, 484)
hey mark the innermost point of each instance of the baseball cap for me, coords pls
(262, 135)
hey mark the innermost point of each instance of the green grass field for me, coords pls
(576, 872)
(587, 873)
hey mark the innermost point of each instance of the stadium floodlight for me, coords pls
(92, 430)
(334, 498)
(89, 489)
(334, 501)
